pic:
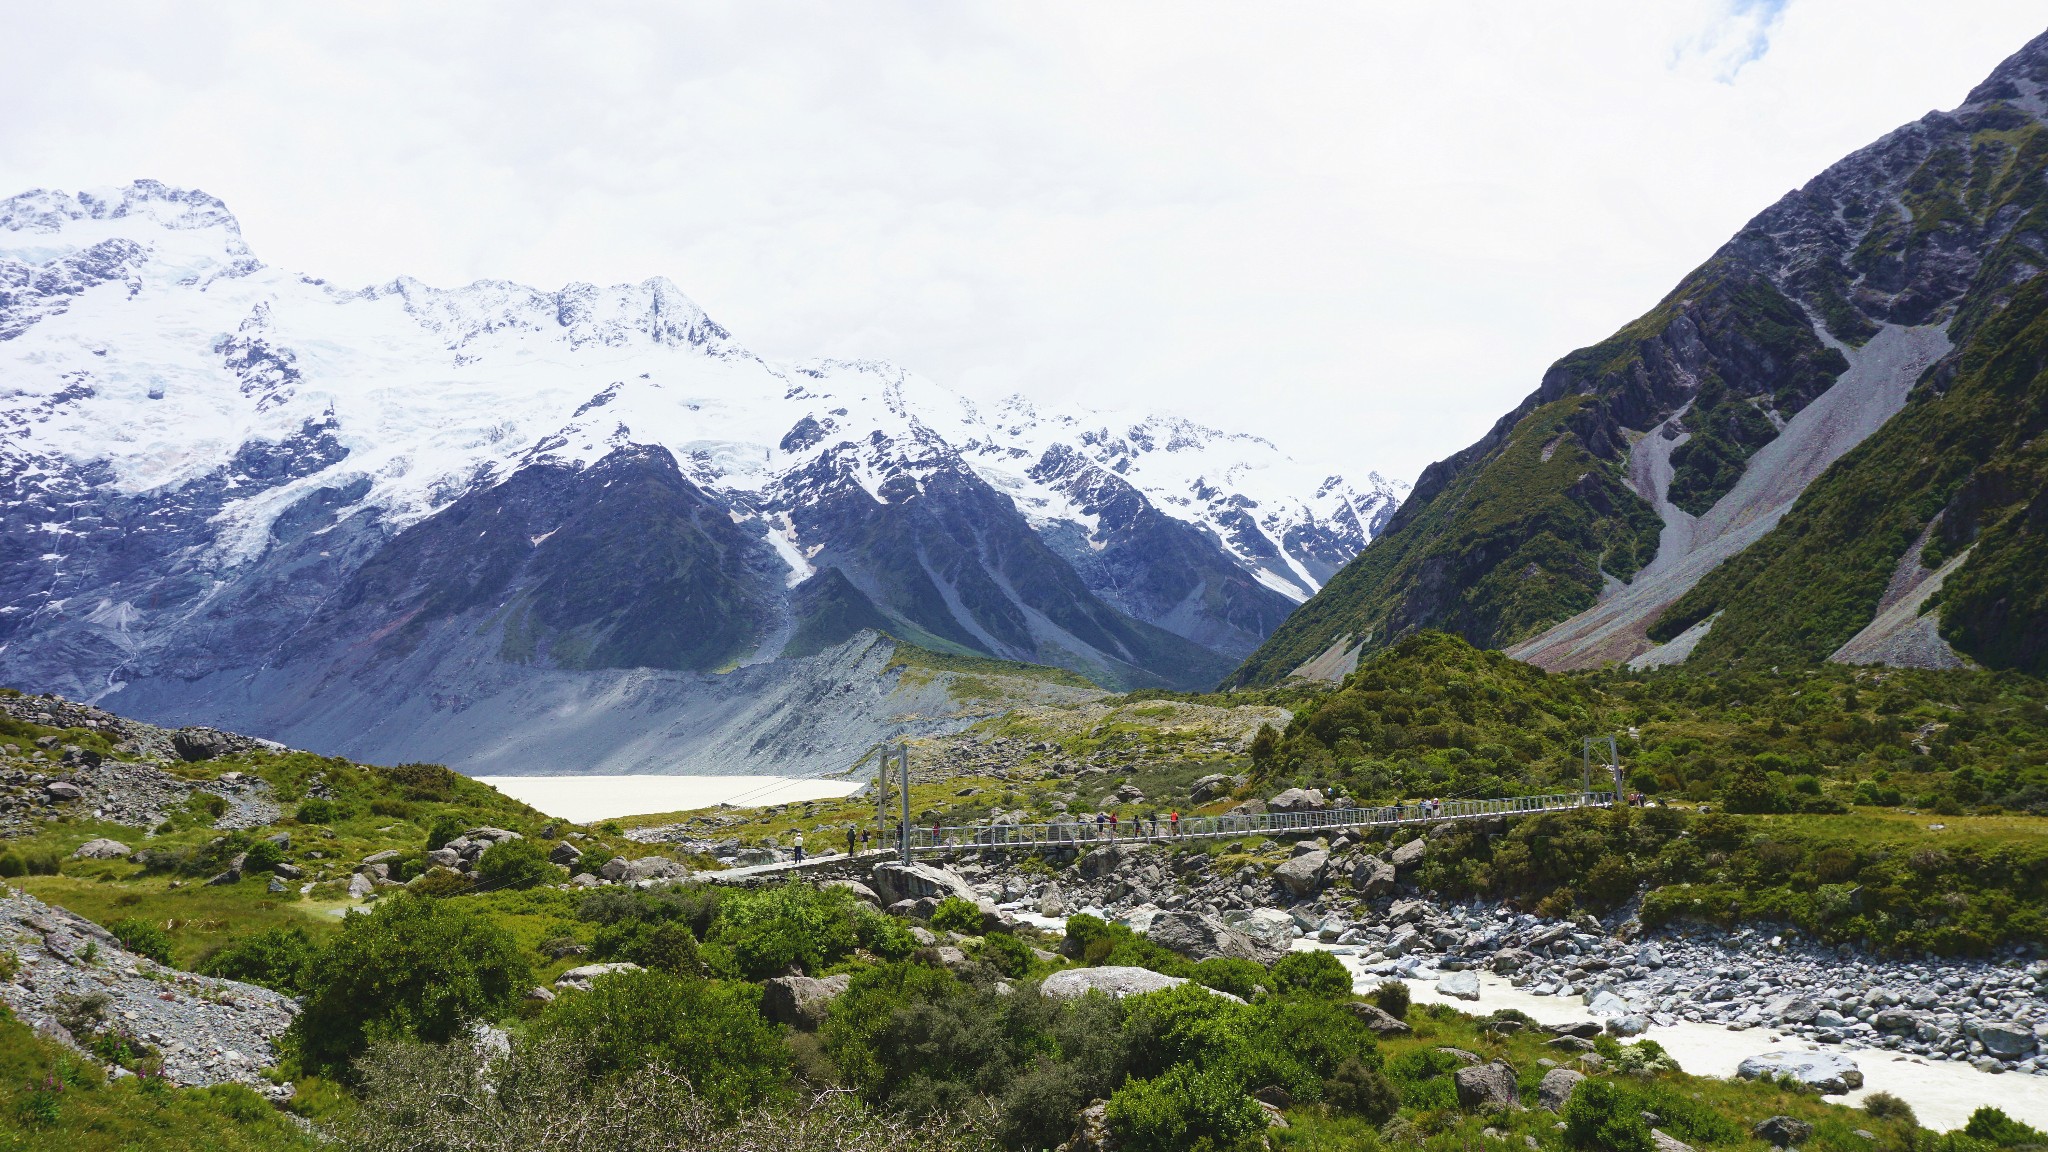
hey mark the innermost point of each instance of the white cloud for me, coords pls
(1362, 229)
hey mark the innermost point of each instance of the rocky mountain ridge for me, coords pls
(229, 490)
(1702, 484)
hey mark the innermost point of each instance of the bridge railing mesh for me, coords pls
(1088, 833)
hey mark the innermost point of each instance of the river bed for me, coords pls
(583, 799)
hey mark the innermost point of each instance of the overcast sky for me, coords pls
(1360, 229)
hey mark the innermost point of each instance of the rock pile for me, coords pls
(74, 979)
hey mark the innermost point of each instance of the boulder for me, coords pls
(384, 857)
(1373, 878)
(1303, 875)
(1665, 1142)
(1459, 985)
(1783, 1131)
(1831, 1072)
(1406, 911)
(565, 854)
(801, 1001)
(1297, 800)
(1200, 937)
(1556, 1088)
(1629, 1024)
(857, 888)
(613, 869)
(1606, 1003)
(200, 743)
(1112, 980)
(1508, 961)
(445, 858)
(101, 849)
(360, 886)
(1101, 861)
(1895, 1020)
(1485, 1087)
(2006, 1041)
(1407, 856)
(1271, 932)
(1376, 1018)
(289, 871)
(62, 791)
(1209, 787)
(580, 977)
(894, 880)
(1091, 1130)
(1252, 807)
(653, 868)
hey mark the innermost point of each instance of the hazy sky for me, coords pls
(1360, 229)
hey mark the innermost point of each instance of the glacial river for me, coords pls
(583, 799)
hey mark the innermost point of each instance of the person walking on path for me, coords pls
(1112, 825)
(799, 847)
(849, 839)
(864, 835)
(1101, 822)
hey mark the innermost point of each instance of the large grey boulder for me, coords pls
(201, 743)
(1665, 1142)
(63, 790)
(1111, 980)
(1271, 932)
(1629, 1024)
(1373, 878)
(1209, 787)
(801, 1001)
(101, 849)
(1556, 1088)
(580, 977)
(2006, 1041)
(653, 868)
(895, 881)
(1407, 856)
(1298, 800)
(1485, 1087)
(1508, 961)
(1459, 985)
(859, 889)
(1831, 1072)
(1303, 875)
(565, 854)
(1200, 937)
(1784, 1131)
(1378, 1019)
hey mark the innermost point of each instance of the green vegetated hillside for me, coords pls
(941, 1039)
(1807, 778)
(1968, 457)
(1943, 222)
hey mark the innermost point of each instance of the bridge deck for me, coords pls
(1088, 834)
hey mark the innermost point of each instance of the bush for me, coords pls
(1006, 954)
(1240, 978)
(280, 959)
(1885, 1106)
(12, 865)
(516, 864)
(663, 944)
(796, 925)
(447, 826)
(439, 881)
(1393, 999)
(263, 856)
(708, 1031)
(1313, 973)
(957, 915)
(42, 861)
(143, 938)
(1354, 1087)
(1600, 1118)
(317, 810)
(1186, 1109)
(1992, 1124)
(413, 967)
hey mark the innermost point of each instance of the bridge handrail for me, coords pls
(1076, 833)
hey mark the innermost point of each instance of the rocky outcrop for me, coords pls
(895, 881)
(1783, 1131)
(1485, 1087)
(1556, 1088)
(1201, 937)
(76, 981)
(1830, 1072)
(801, 1001)
(1110, 980)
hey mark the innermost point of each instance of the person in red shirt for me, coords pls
(1173, 822)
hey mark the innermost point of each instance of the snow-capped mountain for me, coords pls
(219, 473)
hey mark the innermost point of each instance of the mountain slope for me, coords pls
(244, 494)
(1692, 436)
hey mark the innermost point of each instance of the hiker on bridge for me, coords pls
(1173, 822)
(799, 847)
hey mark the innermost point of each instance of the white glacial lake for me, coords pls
(583, 799)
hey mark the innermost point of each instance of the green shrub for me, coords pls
(413, 967)
(396, 809)
(1355, 1087)
(770, 931)
(1186, 1109)
(439, 881)
(1240, 978)
(1312, 973)
(516, 864)
(446, 826)
(957, 915)
(883, 935)
(279, 959)
(1885, 1106)
(1006, 954)
(1393, 999)
(1600, 1117)
(263, 856)
(662, 944)
(1993, 1125)
(143, 938)
(12, 865)
(709, 1031)
(317, 810)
